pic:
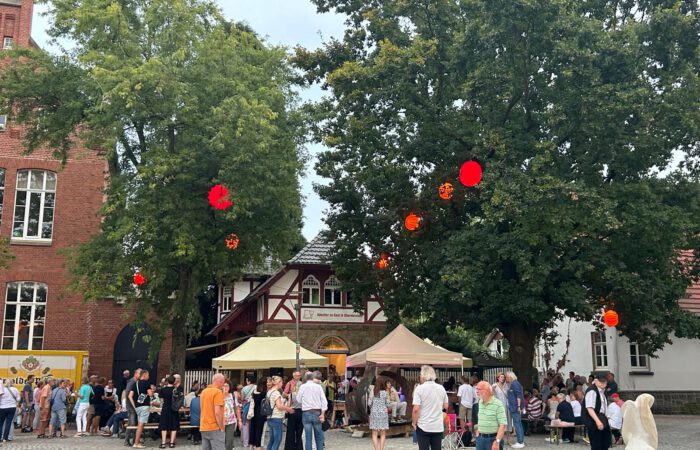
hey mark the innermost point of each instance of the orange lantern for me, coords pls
(470, 173)
(446, 190)
(412, 222)
(139, 279)
(232, 241)
(611, 318)
(383, 261)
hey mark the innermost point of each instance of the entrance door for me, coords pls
(131, 352)
(336, 350)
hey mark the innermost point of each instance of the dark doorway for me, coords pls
(131, 352)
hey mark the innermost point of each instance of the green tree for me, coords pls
(574, 110)
(180, 100)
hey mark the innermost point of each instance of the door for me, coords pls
(131, 352)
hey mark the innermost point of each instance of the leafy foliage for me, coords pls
(181, 100)
(577, 111)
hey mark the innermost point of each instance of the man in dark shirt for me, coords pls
(565, 413)
(131, 411)
(612, 385)
(126, 377)
(28, 405)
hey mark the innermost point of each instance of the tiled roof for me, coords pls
(316, 252)
(691, 301)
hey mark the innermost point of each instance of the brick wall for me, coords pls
(71, 323)
(670, 402)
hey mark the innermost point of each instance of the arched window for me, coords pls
(35, 198)
(2, 191)
(25, 314)
(312, 291)
(332, 292)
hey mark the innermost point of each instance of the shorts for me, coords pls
(465, 414)
(142, 413)
(58, 417)
(91, 410)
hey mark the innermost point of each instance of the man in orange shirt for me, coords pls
(211, 422)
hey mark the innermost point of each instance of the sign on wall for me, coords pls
(331, 315)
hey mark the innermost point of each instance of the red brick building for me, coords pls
(46, 208)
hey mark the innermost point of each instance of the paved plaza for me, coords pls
(675, 433)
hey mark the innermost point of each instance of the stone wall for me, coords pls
(670, 402)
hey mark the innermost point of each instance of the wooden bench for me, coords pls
(556, 431)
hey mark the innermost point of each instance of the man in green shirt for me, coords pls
(491, 421)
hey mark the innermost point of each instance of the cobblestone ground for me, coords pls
(675, 433)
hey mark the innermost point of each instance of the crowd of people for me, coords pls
(224, 412)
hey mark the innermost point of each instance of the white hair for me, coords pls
(428, 373)
(511, 375)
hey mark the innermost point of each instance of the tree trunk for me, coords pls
(179, 323)
(522, 351)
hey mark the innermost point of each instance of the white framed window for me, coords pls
(226, 297)
(332, 293)
(2, 191)
(25, 315)
(35, 199)
(7, 43)
(3, 122)
(600, 350)
(312, 291)
(638, 360)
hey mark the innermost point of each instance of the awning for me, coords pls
(205, 347)
(268, 352)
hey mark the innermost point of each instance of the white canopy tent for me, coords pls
(267, 352)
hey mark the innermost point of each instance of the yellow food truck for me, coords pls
(18, 364)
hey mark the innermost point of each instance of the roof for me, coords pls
(691, 301)
(266, 352)
(315, 252)
(403, 348)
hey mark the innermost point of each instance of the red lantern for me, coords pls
(139, 279)
(412, 222)
(611, 318)
(446, 190)
(218, 197)
(232, 241)
(470, 173)
(383, 261)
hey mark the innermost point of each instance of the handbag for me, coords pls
(266, 407)
(251, 409)
(178, 399)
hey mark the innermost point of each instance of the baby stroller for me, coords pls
(453, 439)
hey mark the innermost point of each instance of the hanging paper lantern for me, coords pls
(470, 173)
(383, 261)
(139, 279)
(232, 241)
(446, 190)
(218, 197)
(611, 318)
(412, 222)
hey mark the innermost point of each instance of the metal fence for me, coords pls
(204, 376)
(413, 375)
(491, 373)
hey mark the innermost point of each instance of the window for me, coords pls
(332, 293)
(312, 291)
(261, 309)
(226, 295)
(600, 350)
(7, 43)
(2, 191)
(638, 360)
(3, 122)
(35, 198)
(25, 313)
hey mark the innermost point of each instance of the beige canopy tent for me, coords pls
(467, 363)
(267, 352)
(403, 348)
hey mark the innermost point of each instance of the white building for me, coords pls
(671, 376)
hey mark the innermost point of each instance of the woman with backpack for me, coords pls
(257, 425)
(172, 399)
(276, 419)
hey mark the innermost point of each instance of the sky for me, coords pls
(279, 22)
